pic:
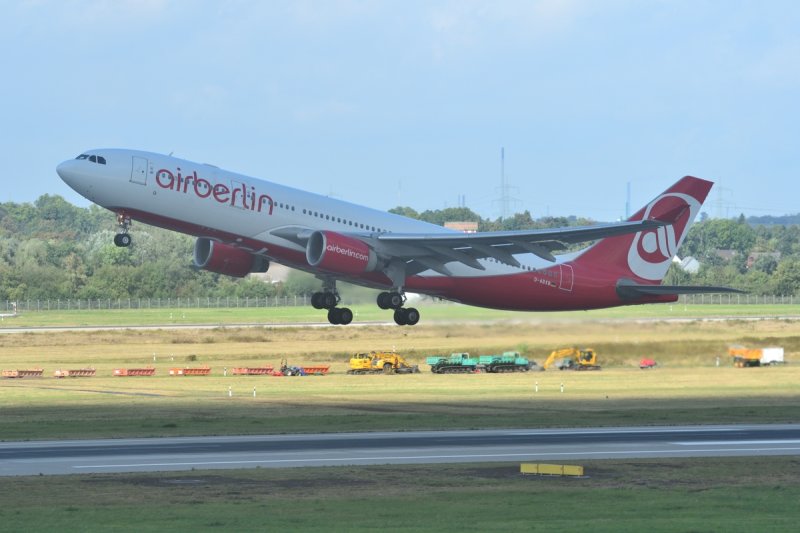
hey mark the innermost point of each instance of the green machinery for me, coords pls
(507, 362)
(457, 363)
(462, 363)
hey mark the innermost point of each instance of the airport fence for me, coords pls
(230, 302)
(208, 302)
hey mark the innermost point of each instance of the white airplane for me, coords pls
(243, 223)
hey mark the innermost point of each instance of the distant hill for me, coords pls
(769, 220)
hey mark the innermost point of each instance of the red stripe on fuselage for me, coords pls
(541, 290)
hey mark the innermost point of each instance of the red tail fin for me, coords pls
(644, 257)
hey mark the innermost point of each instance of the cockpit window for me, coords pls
(93, 158)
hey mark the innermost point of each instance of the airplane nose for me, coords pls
(65, 171)
(70, 173)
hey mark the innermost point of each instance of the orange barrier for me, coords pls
(201, 371)
(75, 373)
(26, 373)
(147, 371)
(317, 370)
(253, 371)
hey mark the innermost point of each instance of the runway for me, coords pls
(9, 330)
(279, 451)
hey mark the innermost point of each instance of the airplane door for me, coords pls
(139, 171)
(567, 278)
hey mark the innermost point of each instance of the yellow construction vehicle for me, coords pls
(376, 362)
(573, 359)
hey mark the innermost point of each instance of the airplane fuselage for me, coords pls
(208, 202)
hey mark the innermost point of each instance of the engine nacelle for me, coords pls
(334, 252)
(226, 259)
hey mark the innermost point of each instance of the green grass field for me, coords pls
(716, 494)
(688, 387)
(725, 494)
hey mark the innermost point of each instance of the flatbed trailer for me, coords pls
(197, 371)
(23, 373)
(135, 372)
(75, 373)
(253, 370)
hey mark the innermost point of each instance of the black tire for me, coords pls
(412, 316)
(395, 300)
(345, 316)
(383, 300)
(334, 316)
(400, 317)
(316, 300)
(328, 300)
(387, 368)
(123, 240)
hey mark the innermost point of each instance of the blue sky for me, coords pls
(408, 103)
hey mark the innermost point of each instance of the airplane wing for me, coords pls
(423, 251)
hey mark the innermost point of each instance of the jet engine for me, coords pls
(226, 259)
(334, 252)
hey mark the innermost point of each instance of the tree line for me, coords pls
(51, 249)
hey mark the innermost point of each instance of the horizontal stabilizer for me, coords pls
(630, 290)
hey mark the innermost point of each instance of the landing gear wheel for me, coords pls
(406, 317)
(394, 299)
(412, 316)
(345, 316)
(316, 300)
(340, 316)
(328, 300)
(123, 240)
(383, 300)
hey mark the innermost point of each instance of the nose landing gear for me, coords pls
(123, 239)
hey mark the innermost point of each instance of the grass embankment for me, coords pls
(721, 494)
(431, 312)
(687, 388)
(710, 494)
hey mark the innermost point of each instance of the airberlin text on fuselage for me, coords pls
(235, 196)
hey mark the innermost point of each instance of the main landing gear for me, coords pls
(123, 239)
(403, 316)
(328, 299)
